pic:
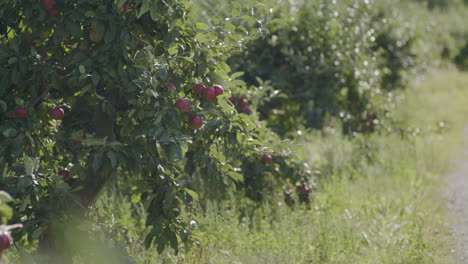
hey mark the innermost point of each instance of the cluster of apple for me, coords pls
(49, 5)
(56, 113)
(241, 105)
(206, 92)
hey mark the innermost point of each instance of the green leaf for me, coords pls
(12, 60)
(83, 90)
(154, 11)
(236, 176)
(120, 4)
(37, 233)
(144, 8)
(192, 194)
(6, 211)
(73, 27)
(91, 13)
(94, 142)
(97, 161)
(10, 132)
(136, 198)
(5, 197)
(101, 28)
(202, 26)
(173, 240)
(109, 36)
(112, 157)
(30, 165)
(173, 49)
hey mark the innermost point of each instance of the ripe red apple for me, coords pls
(53, 12)
(218, 89)
(5, 240)
(47, 4)
(247, 110)
(303, 189)
(195, 122)
(372, 116)
(243, 103)
(21, 112)
(199, 88)
(171, 86)
(65, 174)
(126, 7)
(267, 159)
(183, 105)
(232, 99)
(57, 113)
(209, 93)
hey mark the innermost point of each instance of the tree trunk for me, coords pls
(50, 249)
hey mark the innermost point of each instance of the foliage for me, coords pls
(116, 69)
(321, 59)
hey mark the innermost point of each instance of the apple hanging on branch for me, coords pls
(57, 113)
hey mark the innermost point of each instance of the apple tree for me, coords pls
(92, 89)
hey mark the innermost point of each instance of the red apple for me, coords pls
(57, 113)
(65, 174)
(171, 86)
(232, 99)
(303, 189)
(183, 105)
(267, 159)
(247, 110)
(218, 89)
(47, 4)
(126, 7)
(21, 112)
(195, 122)
(199, 88)
(372, 116)
(243, 103)
(209, 93)
(53, 12)
(5, 240)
